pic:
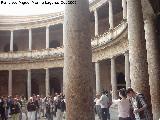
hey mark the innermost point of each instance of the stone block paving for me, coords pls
(113, 115)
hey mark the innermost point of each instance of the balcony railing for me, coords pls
(54, 53)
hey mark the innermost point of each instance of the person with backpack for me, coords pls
(15, 109)
(139, 105)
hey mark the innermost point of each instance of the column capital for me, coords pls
(47, 26)
(46, 68)
(113, 57)
(97, 61)
(109, 0)
(126, 53)
(95, 10)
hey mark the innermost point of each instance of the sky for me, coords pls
(31, 7)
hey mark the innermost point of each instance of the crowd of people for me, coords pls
(18, 108)
(131, 105)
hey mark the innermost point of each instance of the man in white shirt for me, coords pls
(104, 102)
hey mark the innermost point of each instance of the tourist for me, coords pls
(108, 94)
(98, 106)
(15, 109)
(31, 107)
(3, 108)
(59, 113)
(104, 101)
(124, 105)
(24, 109)
(139, 105)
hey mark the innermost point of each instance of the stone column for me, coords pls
(98, 80)
(47, 37)
(124, 6)
(30, 39)
(78, 61)
(64, 84)
(111, 23)
(96, 22)
(113, 78)
(10, 83)
(47, 82)
(29, 84)
(137, 49)
(153, 65)
(11, 41)
(127, 71)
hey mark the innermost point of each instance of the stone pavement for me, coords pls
(113, 114)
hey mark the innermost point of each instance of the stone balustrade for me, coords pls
(31, 55)
(108, 36)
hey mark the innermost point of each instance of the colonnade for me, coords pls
(111, 23)
(29, 94)
(141, 53)
(30, 39)
(113, 75)
(111, 18)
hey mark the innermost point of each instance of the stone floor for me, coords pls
(113, 115)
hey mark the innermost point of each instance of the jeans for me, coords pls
(99, 111)
(31, 115)
(105, 112)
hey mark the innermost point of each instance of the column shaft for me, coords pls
(113, 78)
(124, 6)
(98, 81)
(29, 84)
(10, 83)
(47, 82)
(78, 62)
(30, 39)
(153, 65)
(111, 23)
(127, 71)
(96, 22)
(11, 41)
(47, 37)
(137, 49)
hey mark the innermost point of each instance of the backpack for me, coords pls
(140, 98)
